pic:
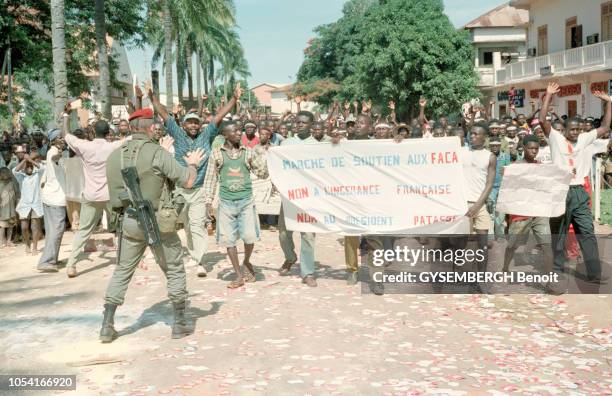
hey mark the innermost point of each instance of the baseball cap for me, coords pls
(192, 116)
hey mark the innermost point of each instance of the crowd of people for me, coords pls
(212, 156)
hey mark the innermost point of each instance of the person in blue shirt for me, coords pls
(189, 137)
(503, 159)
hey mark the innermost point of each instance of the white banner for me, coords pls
(538, 190)
(267, 199)
(372, 186)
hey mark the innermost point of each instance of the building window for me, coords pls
(502, 110)
(542, 40)
(606, 21)
(487, 58)
(573, 33)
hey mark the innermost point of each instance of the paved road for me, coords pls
(278, 336)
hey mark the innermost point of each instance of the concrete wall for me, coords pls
(263, 95)
(280, 103)
(554, 13)
(586, 104)
(498, 35)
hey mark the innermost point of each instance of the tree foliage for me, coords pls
(393, 50)
(25, 25)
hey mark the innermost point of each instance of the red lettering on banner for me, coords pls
(298, 193)
(447, 157)
(425, 220)
(599, 86)
(535, 93)
(305, 218)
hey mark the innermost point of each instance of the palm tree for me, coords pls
(104, 79)
(233, 63)
(167, 17)
(58, 42)
(198, 17)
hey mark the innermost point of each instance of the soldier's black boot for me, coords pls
(180, 328)
(107, 332)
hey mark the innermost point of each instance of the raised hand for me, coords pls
(166, 142)
(603, 96)
(238, 91)
(139, 93)
(204, 98)
(552, 88)
(149, 88)
(392, 105)
(347, 106)
(422, 102)
(194, 157)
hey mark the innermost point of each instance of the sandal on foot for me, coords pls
(236, 284)
(249, 277)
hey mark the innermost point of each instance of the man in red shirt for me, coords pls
(249, 137)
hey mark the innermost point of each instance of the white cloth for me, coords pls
(30, 192)
(75, 179)
(475, 170)
(372, 187)
(544, 155)
(54, 179)
(536, 190)
(564, 152)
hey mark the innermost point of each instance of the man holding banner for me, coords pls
(303, 124)
(521, 225)
(573, 150)
(479, 167)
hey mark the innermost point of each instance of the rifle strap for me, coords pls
(130, 151)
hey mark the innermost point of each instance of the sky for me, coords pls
(274, 34)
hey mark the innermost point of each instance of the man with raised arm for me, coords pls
(189, 137)
(572, 149)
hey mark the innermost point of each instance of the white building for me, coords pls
(280, 101)
(499, 37)
(569, 42)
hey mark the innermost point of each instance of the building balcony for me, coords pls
(595, 57)
(486, 76)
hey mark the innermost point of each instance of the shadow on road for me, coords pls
(162, 312)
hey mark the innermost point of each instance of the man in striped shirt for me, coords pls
(190, 137)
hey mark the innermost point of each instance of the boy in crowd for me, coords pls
(230, 168)
(502, 159)
(54, 202)
(30, 208)
(520, 226)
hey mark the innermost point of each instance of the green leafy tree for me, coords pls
(26, 26)
(394, 50)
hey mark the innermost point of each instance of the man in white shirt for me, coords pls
(573, 150)
(479, 170)
(54, 202)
